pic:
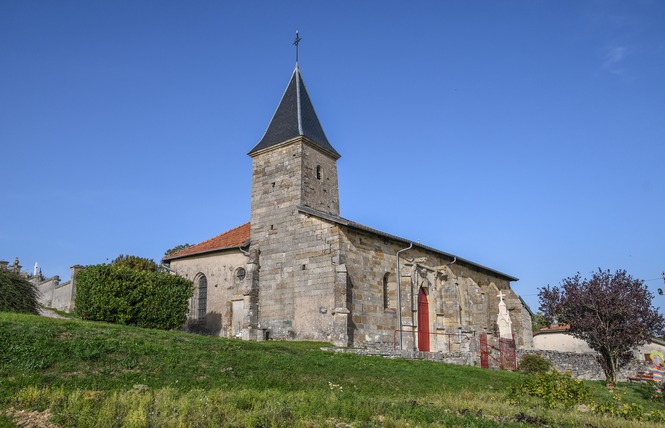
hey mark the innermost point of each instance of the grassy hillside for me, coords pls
(94, 375)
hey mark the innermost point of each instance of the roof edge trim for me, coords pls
(198, 253)
(300, 138)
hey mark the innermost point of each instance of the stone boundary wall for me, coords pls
(581, 366)
(56, 295)
(45, 289)
(63, 297)
(462, 359)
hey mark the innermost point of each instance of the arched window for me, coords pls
(238, 276)
(199, 299)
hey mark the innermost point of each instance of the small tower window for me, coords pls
(319, 172)
(240, 274)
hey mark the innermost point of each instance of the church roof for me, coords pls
(239, 237)
(234, 238)
(295, 117)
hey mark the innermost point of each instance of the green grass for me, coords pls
(94, 374)
(63, 314)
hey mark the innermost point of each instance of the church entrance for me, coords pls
(423, 321)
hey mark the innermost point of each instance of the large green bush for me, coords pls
(17, 294)
(121, 295)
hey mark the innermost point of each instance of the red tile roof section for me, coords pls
(238, 237)
(554, 329)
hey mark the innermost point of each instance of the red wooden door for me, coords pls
(423, 321)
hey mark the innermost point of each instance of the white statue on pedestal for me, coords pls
(503, 320)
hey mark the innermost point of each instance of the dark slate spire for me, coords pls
(295, 117)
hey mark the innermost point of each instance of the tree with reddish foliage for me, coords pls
(611, 312)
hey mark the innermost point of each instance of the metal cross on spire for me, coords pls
(296, 42)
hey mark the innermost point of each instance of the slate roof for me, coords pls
(295, 117)
(234, 238)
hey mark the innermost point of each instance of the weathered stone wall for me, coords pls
(276, 190)
(584, 365)
(63, 297)
(367, 260)
(463, 359)
(296, 278)
(223, 289)
(570, 353)
(56, 295)
(581, 366)
(319, 186)
(525, 321)
(46, 288)
(462, 298)
(313, 279)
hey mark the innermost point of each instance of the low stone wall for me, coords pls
(583, 365)
(580, 365)
(463, 359)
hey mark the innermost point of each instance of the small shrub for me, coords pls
(17, 294)
(534, 364)
(657, 416)
(614, 407)
(654, 387)
(554, 388)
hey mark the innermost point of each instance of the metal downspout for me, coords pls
(399, 298)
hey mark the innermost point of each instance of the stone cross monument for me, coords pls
(503, 320)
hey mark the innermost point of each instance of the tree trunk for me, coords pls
(611, 373)
(610, 366)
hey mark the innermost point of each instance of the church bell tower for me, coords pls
(294, 167)
(293, 164)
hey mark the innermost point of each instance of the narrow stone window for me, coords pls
(389, 292)
(385, 291)
(319, 172)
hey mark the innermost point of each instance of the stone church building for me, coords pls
(298, 270)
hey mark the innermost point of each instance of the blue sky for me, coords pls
(527, 136)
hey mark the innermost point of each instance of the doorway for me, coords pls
(423, 321)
